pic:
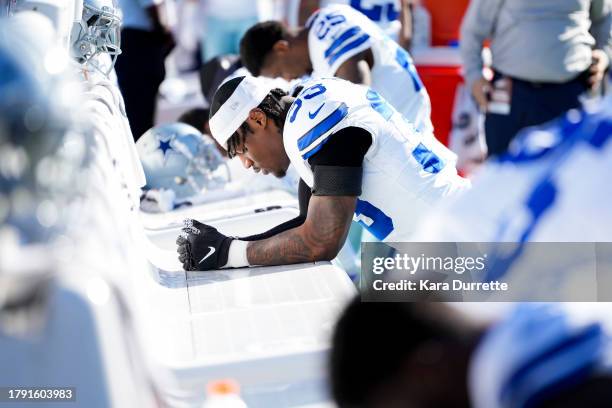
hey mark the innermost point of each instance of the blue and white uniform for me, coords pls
(552, 186)
(404, 171)
(339, 32)
(539, 350)
(385, 13)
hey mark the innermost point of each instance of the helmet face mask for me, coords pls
(97, 33)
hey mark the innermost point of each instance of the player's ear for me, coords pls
(281, 46)
(258, 117)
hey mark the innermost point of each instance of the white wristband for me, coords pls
(237, 256)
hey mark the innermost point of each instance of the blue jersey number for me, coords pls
(308, 93)
(375, 13)
(325, 24)
(373, 219)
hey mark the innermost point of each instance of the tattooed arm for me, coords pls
(319, 238)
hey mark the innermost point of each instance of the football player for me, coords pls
(355, 154)
(552, 186)
(433, 355)
(340, 41)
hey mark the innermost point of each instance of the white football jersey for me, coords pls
(553, 186)
(385, 13)
(404, 171)
(339, 32)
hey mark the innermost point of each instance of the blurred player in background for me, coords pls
(394, 17)
(432, 355)
(355, 155)
(552, 186)
(536, 191)
(340, 41)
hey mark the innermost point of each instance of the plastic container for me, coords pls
(446, 17)
(440, 71)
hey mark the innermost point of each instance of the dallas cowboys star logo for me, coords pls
(165, 147)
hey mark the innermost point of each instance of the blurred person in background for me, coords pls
(225, 22)
(545, 55)
(147, 40)
(536, 192)
(435, 355)
(552, 186)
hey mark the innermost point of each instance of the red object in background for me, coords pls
(446, 16)
(440, 71)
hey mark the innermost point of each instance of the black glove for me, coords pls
(201, 247)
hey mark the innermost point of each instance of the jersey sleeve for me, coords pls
(345, 148)
(336, 33)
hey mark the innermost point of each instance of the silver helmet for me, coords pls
(178, 157)
(98, 32)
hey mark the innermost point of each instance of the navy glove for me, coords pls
(201, 247)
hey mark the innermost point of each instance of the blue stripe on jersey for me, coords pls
(429, 160)
(405, 61)
(321, 128)
(350, 46)
(341, 39)
(308, 155)
(601, 135)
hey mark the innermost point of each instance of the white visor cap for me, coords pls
(249, 93)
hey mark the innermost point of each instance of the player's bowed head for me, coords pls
(247, 116)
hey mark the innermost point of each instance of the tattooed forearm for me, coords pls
(319, 238)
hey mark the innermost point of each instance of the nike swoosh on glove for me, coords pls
(201, 247)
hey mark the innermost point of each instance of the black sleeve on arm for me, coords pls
(303, 199)
(337, 166)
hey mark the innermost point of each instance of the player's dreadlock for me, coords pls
(274, 106)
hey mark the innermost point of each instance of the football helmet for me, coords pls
(97, 32)
(178, 157)
(61, 13)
